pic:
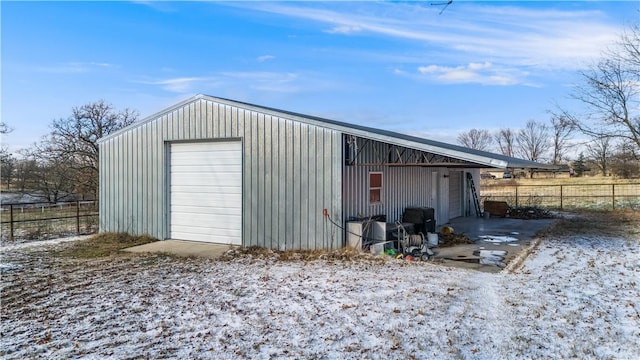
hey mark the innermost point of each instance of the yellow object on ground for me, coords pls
(446, 230)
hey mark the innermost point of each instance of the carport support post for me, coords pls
(77, 216)
(11, 222)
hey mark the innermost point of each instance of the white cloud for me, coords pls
(74, 67)
(558, 38)
(280, 82)
(264, 58)
(345, 29)
(479, 73)
(182, 84)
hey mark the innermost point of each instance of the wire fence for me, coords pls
(41, 220)
(565, 197)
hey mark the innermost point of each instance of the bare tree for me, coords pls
(25, 172)
(476, 139)
(600, 150)
(7, 161)
(506, 140)
(7, 166)
(630, 48)
(48, 176)
(4, 128)
(533, 141)
(625, 161)
(611, 92)
(561, 129)
(75, 139)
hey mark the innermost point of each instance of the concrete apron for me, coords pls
(489, 236)
(183, 248)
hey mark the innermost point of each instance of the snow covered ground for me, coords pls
(574, 297)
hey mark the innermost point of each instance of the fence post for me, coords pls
(613, 196)
(11, 222)
(77, 217)
(561, 197)
(516, 195)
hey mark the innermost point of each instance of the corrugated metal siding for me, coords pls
(291, 173)
(402, 187)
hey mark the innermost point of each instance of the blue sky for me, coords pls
(401, 66)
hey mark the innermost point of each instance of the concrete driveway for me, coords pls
(183, 248)
(498, 242)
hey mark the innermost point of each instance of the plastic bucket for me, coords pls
(432, 239)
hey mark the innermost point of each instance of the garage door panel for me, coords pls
(228, 233)
(195, 159)
(229, 190)
(206, 210)
(204, 220)
(212, 238)
(221, 146)
(206, 192)
(205, 168)
(197, 203)
(231, 179)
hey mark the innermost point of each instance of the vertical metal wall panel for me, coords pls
(291, 173)
(402, 187)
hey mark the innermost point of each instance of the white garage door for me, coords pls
(206, 192)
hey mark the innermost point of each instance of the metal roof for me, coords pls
(481, 158)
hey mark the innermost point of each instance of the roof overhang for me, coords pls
(466, 157)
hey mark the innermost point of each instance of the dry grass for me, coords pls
(105, 244)
(256, 252)
(559, 181)
(618, 223)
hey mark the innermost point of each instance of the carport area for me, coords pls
(497, 242)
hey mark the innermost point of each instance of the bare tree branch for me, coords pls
(476, 139)
(75, 139)
(561, 129)
(611, 92)
(600, 150)
(533, 141)
(506, 140)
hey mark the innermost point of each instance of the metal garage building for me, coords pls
(223, 171)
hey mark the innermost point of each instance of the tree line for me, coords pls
(609, 91)
(64, 164)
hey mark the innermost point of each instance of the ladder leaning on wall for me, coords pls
(474, 194)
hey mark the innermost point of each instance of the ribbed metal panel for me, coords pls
(402, 187)
(291, 172)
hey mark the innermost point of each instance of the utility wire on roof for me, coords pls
(445, 3)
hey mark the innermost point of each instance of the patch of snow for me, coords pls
(572, 298)
(41, 243)
(497, 239)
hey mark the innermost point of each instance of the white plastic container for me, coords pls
(432, 239)
(379, 248)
